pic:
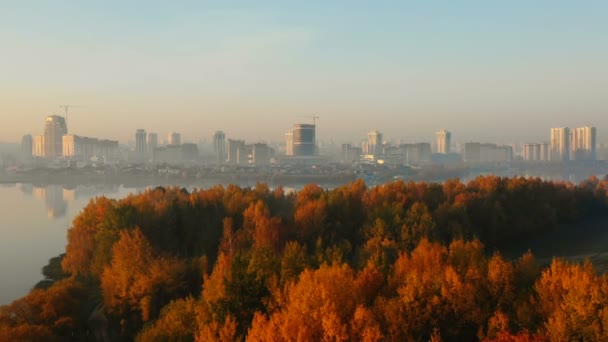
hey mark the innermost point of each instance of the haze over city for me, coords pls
(313, 171)
(487, 71)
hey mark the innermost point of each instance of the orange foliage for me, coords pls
(318, 307)
(81, 237)
(574, 300)
(396, 262)
(137, 281)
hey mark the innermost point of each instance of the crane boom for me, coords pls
(66, 108)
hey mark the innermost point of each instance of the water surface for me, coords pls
(33, 228)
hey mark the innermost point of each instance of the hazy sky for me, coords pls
(486, 70)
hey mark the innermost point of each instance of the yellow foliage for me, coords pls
(218, 332)
(574, 299)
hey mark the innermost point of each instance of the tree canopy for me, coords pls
(399, 261)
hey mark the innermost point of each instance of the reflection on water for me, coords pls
(34, 220)
(52, 195)
(57, 197)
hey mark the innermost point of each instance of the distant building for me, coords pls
(531, 152)
(27, 146)
(560, 144)
(416, 153)
(237, 152)
(535, 152)
(446, 158)
(151, 143)
(444, 141)
(472, 152)
(350, 153)
(487, 153)
(219, 146)
(54, 129)
(169, 154)
(261, 154)
(392, 150)
(174, 138)
(583, 143)
(86, 149)
(176, 154)
(140, 142)
(289, 143)
(189, 152)
(38, 150)
(374, 143)
(304, 143)
(545, 152)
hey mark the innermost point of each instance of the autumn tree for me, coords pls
(573, 299)
(309, 216)
(46, 314)
(177, 322)
(418, 224)
(82, 236)
(318, 307)
(138, 283)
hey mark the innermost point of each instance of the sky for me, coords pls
(491, 71)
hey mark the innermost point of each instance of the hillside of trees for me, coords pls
(396, 262)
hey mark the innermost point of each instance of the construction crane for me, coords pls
(66, 109)
(313, 117)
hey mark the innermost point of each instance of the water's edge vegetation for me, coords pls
(395, 262)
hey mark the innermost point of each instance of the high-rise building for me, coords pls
(38, 150)
(531, 152)
(289, 143)
(535, 152)
(560, 144)
(73, 146)
(374, 143)
(444, 141)
(583, 143)
(304, 143)
(140, 142)
(237, 152)
(151, 142)
(350, 153)
(85, 149)
(545, 152)
(54, 130)
(174, 138)
(261, 154)
(27, 146)
(219, 146)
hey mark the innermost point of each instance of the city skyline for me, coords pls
(484, 70)
(428, 135)
(565, 144)
(579, 137)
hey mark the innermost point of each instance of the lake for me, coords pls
(33, 228)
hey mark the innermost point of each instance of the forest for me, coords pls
(395, 262)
